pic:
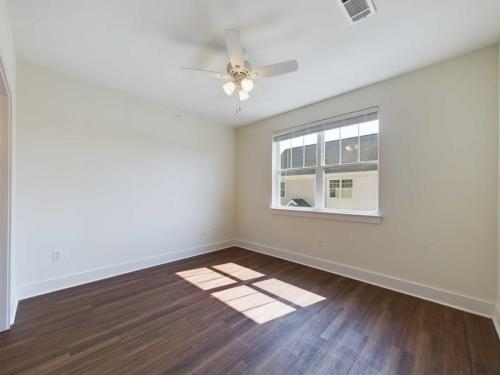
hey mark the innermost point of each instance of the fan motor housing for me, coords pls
(239, 72)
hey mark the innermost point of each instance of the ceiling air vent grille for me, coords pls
(356, 10)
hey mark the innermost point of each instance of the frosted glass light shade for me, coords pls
(247, 84)
(244, 95)
(229, 88)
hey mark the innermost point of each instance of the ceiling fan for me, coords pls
(240, 75)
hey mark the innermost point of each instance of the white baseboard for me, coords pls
(52, 285)
(13, 309)
(496, 319)
(444, 297)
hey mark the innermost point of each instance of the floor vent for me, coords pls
(356, 10)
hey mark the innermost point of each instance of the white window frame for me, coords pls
(319, 210)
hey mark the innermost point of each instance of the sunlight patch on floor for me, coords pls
(238, 271)
(291, 293)
(254, 304)
(266, 313)
(205, 278)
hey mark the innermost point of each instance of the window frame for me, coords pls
(319, 209)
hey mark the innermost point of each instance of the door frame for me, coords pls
(7, 258)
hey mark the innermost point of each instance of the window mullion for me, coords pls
(319, 201)
(359, 146)
(276, 167)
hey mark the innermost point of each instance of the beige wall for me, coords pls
(108, 178)
(438, 180)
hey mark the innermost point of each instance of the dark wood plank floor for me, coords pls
(153, 321)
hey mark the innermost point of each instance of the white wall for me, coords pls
(438, 181)
(108, 178)
(8, 61)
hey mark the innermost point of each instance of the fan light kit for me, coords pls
(229, 88)
(240, 75)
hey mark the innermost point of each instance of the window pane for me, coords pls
(298, 157)
(285, 154)
(332, 152)
(352, 187)
(297, 142)
(350, 131)
(286, 159)
(367, 128)
(332, 135)
(332, 147)
(300, 188)
(349, 144)
(310, 155)
(368, 132)
(310, 142)
(310, 139)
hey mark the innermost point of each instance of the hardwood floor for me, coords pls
(156, 321)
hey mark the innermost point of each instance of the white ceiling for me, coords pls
(140, 45)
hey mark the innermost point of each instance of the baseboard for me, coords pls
(496, 319)
(13, 309)
(52, 285)
(443, 297)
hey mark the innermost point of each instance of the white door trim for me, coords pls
(6, 262)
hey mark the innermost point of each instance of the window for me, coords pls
(336, 192)
(283, 189)
(334, 188)
(346, 191)
(329, 165)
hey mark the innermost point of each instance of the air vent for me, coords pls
(356, 10)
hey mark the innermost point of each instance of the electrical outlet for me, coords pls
(56, 256)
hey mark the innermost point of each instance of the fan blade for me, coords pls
(211, 73)
(235, 48)
(275, 69)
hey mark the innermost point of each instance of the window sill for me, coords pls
(352, 216)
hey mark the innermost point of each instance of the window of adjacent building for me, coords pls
(283, 189)
(334, 189)
(346, 191)
(329, 165)
(336, 192)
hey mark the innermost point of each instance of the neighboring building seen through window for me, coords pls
(346, 162)
(336, 192)
(334, 189)
(283, 189)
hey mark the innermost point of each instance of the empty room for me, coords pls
(260, 187)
